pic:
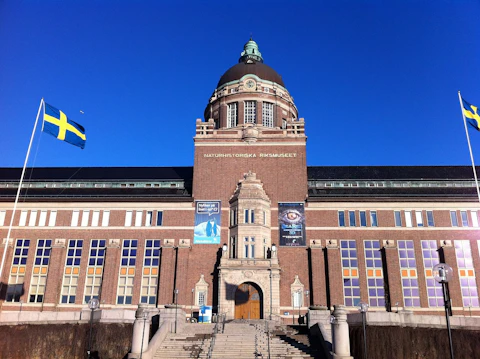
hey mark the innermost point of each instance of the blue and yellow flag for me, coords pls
(56, 123)
(471, 112)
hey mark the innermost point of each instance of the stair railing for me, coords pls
(267, 331)
(212, 342)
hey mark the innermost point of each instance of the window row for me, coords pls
(151, 218)
(365, 218)
(250, 113)
(249, 217)
(408, 273)
(32, 218)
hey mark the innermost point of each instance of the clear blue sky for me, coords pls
(376, 81)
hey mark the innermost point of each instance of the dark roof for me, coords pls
(256, 68)
(390, 172)
(98, 173)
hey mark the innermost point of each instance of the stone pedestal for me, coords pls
(341, 337)
(141, 330)
(169, 314)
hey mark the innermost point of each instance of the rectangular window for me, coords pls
(138, 218)
(250, 112)
(148, 218)
(373, 261)
(430, 259)
(466, 273)
(341, 218)
(71, 271)
(232, 111)
(453, 218)
(33, 219)
(2, 217)
(52, 219)
(264, 218)
(246, 250)
(408, 271)
(398, 218)
(351, 217)
(42, 221)
(85, 216)
(105, 218)
(95, 218)
(23, 218)
(252, 216)
(430, 221)
(267, 114)
(297, 298)
(252, 250)
(463, 215)
(40, 270)
(159, 218)
(472, 213)
(408, 218)
(17, 271)
(127, 271)
(96, 260)
(201, 298)
(419, 218)
(373, 218)
(75, 215)
(150, 272)
(363, 219)
(128, 218)
(284, 123)
(351, 283)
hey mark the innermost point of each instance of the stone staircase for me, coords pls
(240, 339)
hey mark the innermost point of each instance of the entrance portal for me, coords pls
(248, 302)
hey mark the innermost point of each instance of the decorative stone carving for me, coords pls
(250, 133)
(316, 243)
(184, 243)
(114, 242)
(332, 243)
(168, 243)
(60, 242)
(445, 243)
(389, 243)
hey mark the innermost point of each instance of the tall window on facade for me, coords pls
(373, 219)
(408, 219)
(250, 112)
(159, 218)
(23, 218)
(105, 218)
(408, 271)
(474, 218)
(464, 217)
(373, 262)
(42, 221)
(466, 273)
(2, 217)
(351, 283)
(150, 271)
(363, 219)
(72, 270)
(138, 218)
(127, 271)
(267, 114)
(430, 221)
(40, 270)
(17, 271)
(453, 218)
(341, 218)
(351, 218)
(95, 218)
(232, 114)
(419, 218)
(128, 218)
(85, 217)
(249, 216)
(96, 260)
(148, 218)
(430, 259)
(398, 218)
(33, 218)
(297, 297)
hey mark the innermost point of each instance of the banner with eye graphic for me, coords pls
(291, 220)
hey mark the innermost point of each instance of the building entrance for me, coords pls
(248, 302)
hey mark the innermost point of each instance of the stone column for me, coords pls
(141, 330)
(108, 293)
(341, 336)
(317, 260)
(55, 272)
(167, 272)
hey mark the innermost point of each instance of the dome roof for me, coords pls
(241, 69)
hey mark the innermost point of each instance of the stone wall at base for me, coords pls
(65, 341)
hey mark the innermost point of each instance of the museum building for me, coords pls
(250, 229)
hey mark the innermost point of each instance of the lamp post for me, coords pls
(92, 304)
(443, 273)
(363, 308)
(307, 292)
(299, 296)
(176, 308)
(193, 301)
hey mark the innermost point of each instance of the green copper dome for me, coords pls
(250, 51)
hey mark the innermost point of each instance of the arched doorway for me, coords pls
(248, 302)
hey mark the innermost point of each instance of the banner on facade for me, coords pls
(291, 219)
(207, 222)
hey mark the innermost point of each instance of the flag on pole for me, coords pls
(471, 112)
(56, 123)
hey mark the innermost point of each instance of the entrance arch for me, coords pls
(248, 301)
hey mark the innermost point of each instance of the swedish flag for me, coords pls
(56, 123)
(471, 112)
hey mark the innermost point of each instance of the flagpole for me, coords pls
(18, 193)
(469, 146)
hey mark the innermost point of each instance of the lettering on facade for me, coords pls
(251, 155)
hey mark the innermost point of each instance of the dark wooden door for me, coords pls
(247, 302)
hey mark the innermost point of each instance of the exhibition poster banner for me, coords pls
(291, 219)
(207, 222)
